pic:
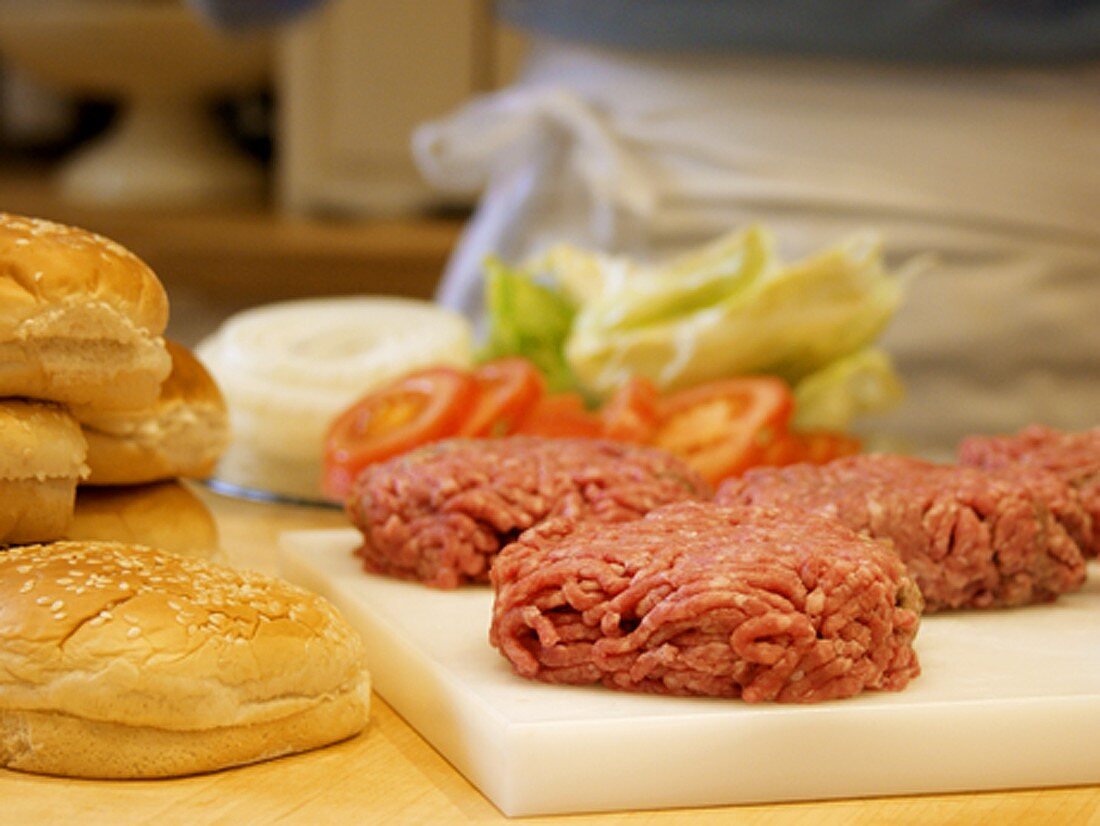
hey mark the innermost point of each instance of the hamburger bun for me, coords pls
(81, 318)
(41, 458)
(165, 515)
(182, 434)
(117, 661)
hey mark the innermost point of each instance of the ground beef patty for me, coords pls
(441, 513)
(1072, 457)
(697, 599)
(969, 538)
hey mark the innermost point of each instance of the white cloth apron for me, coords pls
(996, 172)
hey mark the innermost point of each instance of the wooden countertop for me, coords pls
(391, 775)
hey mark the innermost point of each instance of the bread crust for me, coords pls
(41, 457)
(126, 637)
(39, 440)
(182, 435)
(81, 318)
(51, 743)
(35, 510)
(165, 515)
(50, 265)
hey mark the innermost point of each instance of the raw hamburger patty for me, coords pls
(969, 538)
(698, 599)
(440, 514)
(1072, 457)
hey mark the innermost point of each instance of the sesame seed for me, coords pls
(57, 605)
(27, 586)
(133, 632)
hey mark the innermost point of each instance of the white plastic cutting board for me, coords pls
(1006, 699)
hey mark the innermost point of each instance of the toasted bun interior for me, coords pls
(81, 318)
(183, 434)
(170, 665)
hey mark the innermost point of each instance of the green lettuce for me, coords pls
(830, 399)
(732, 309)
(529, 319)
(590, 321)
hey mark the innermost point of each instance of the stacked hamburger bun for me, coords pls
(90, 390)
(81, 319)
(118, 660)
(41, 458)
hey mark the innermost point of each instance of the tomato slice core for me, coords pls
(723, 427)
(419, 408)
(507, 389)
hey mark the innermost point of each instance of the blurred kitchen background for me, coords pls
(244, 168)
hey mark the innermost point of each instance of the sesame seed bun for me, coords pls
(117, 661)
(182, 434)
(41, 458)
(81, 318)
(165, 515)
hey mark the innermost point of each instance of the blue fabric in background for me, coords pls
(250, 14)
(914, 30)
(980, 31)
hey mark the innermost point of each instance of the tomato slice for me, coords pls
(414, 410)
(814, 446)
(784, 448)
(562, 415)
(507, 389)
(633, 413)
(722, 427)
(821, 446)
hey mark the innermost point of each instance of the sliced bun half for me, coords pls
(41, 458)
(182, 434)
(81, 318)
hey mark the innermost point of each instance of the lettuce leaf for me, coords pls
(529, 319)
(730, 309)
(864, 382)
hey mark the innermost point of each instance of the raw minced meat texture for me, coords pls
(698, 599)
(440, 514)
(1074, 457)
(970, 539)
